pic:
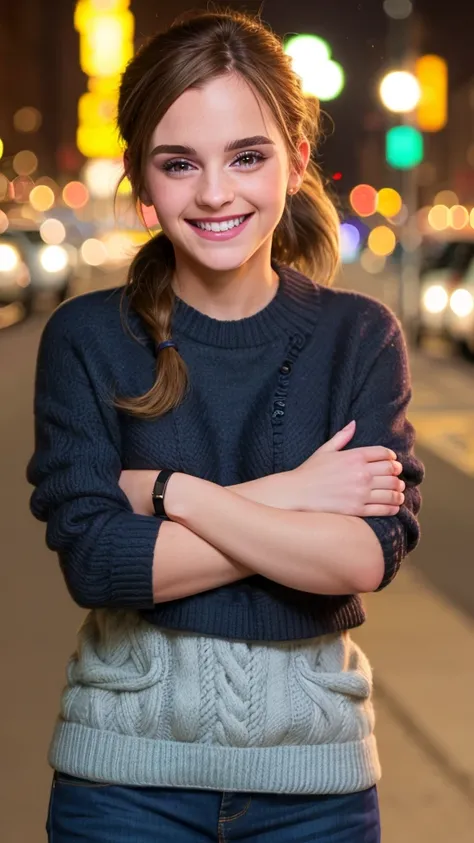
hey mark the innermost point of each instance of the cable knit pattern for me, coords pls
(200, 700)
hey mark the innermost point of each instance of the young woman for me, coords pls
(192, 468)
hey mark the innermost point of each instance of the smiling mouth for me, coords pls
(225, 225)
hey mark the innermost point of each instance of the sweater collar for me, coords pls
(294, 308)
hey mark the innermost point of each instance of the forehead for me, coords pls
(224, 109)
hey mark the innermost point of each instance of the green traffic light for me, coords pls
(404, 147)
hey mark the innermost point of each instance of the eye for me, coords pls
(249, 159)
(176, 166)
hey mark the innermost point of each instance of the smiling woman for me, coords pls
(222, 484)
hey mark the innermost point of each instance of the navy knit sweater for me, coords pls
(265, 392)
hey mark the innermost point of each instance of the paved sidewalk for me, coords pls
(422, 652)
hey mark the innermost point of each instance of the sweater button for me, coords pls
(286, 368)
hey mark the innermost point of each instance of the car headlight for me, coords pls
(435, 299)
(54, 258)
(461, 303)
(9, 257)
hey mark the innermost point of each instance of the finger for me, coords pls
(380, 510)
(340, 439)
(385, 468)
(373, 453)
(386, 496)
(390, 481)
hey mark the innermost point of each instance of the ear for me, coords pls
(297, 173)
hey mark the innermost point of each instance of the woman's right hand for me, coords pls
(361, 482)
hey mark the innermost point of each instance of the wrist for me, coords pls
(178, 497)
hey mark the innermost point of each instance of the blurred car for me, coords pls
(49, 265)
(441, 274)
(460, 313)
(16, 295)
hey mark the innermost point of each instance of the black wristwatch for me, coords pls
(158, 493)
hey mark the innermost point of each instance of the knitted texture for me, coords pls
(148, 707)
(265, 393)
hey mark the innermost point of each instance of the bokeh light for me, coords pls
(49, 182)
(27, 119)
(25, 162)
(446, 197)
(372, 263)
(327, 81)
(458, 217)
(101, 177)
(75, 194)
(363, 200)
(389, 202)
(438, 217)
(21, 188)
(4, 221)
(4, 187)
(471, 218)
(119, 246)
(53, 258)
(349, 242)
(461, 303)
(382, 241)
(42, 198)
(93, 252)
(53, 232)
(401, 217)
(306, 53)
(398, 9)
(400, 91)
(1, 148)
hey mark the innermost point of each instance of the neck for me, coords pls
(230, 294)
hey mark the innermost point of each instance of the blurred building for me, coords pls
(39, 69)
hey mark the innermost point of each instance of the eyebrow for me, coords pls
(242, 143)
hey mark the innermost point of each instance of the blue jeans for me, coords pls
(85, 812)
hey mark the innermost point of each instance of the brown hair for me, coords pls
(198, 47)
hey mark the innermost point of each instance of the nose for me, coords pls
(215, 190)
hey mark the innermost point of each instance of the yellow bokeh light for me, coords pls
(382, 241)
(125, 187)
(42, 198)
(25, 162)
(4, 221)
(458, 217)
(438, 217)
(1, 147)
(471, 218)
(389, 202)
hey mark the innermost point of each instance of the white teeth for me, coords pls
(220, 226)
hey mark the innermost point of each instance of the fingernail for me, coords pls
(350, 424)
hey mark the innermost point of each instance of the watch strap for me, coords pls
(158, 494)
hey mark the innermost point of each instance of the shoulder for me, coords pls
(345, 307)
(90, 310)
(86, 319)
(367, 315)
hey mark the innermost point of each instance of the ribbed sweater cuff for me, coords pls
(132, 549)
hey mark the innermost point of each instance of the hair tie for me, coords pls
(166, 344)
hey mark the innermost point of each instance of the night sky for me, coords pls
(358, 34)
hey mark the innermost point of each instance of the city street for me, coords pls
(419, 636)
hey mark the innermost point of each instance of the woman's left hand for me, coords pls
(138, 485)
